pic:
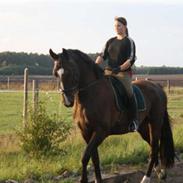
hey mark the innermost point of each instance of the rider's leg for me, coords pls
(126, 79)
(133, 112)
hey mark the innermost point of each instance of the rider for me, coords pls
(119, 55)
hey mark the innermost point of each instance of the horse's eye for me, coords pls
(66, 72)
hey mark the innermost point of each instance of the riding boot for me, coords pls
(133, 114)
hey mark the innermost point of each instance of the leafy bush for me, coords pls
(43, 133)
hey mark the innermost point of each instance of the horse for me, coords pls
(85, 88)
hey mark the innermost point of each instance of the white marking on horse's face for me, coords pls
(60, 72)
(145, 179)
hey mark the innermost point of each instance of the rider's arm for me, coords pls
(131, 55)
(99, 60)
(102, 55)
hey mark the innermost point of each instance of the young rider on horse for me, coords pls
(119, 55)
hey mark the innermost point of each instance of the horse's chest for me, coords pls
(80, 117)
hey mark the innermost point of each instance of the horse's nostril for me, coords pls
(55, 74)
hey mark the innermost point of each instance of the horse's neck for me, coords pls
(87, 76)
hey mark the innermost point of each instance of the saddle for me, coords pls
(121, 97)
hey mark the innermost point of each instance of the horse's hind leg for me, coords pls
(154, 143)
(96, 138)
(145, 134)
(144, 131)
(96, 164)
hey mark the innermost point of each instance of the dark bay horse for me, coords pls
(84, 86)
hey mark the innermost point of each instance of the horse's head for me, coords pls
(66, 70)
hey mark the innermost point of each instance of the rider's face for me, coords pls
(119, 27)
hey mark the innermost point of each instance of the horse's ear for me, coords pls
(64, 52)
(53, 55)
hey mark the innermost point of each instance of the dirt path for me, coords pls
(174, 175)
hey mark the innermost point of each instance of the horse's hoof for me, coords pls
(162, 174)
(145, 179)
(83, 181)
(98, 181)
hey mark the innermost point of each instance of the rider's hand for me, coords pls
(116, 70)
(125, 66)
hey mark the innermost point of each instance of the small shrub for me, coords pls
(43, 133)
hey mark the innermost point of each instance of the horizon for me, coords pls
(151, 66)
(35, 26)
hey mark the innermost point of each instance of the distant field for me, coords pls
(162, 77)
(174, 80)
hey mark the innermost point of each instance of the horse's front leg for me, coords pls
(96, 164)
(96, 138)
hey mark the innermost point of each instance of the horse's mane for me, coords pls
(83, 57)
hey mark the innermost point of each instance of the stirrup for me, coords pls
(133, 127)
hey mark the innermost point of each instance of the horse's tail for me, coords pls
(167, 152)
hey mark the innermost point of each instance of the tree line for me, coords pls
(13, 63)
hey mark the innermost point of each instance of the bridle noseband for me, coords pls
(64, 91)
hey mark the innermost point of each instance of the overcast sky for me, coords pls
(156, 26)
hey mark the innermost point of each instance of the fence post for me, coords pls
(8, 83)
(58, 84)
(35, 94)
(168, 86)
(25, 100)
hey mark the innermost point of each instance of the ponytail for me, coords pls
(127, 32)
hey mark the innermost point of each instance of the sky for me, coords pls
(34, 26)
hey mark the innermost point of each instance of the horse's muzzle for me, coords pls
(68, 101)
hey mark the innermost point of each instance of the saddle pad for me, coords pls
(139, 98)
(121, 97)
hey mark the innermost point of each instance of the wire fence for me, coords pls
(12, 95)
(50, 83)
(17, 82)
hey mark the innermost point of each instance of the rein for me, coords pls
(63, 91)
(89, 85)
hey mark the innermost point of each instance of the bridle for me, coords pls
(64, 91)
(76, 88)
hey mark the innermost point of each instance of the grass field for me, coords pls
(11, 108)
(116, 150)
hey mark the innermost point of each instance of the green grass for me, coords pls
(127, 149)
(175, 105)
(11, 109)
(114, 151)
